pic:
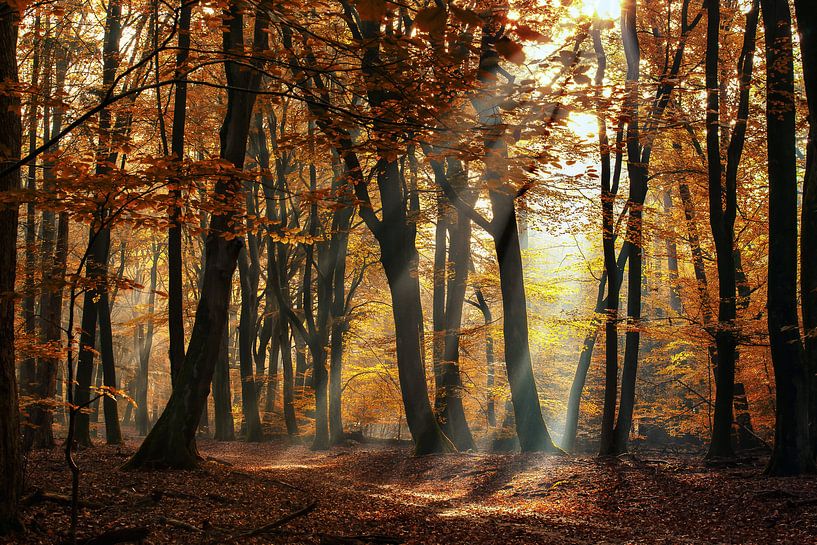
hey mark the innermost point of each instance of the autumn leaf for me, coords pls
(467, 16)
(510, 50)
(527, 34)
(431, 20)
(371, 10)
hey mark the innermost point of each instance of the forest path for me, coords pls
(385, 495)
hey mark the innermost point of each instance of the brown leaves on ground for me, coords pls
(368, 494)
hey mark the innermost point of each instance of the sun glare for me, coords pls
(583, 125)
(604, 9)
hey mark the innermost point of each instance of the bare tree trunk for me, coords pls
(290, 420)
(246, 334)
(146, 346)
(175, 301)
(222, 402)
(807, 25)
(792, 452)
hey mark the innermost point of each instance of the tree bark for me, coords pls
(246, 335)
(222, 402)
(792, 452)
(175, 301)
(807, 26)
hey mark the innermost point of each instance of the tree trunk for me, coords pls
(10, 147)
(792, 450)
(246, 336)
(490, 377)
(175, 300)
(145, 349)
(113, 435)
(290, 420)
(28, 367)
(222, 404)
(530, 426)
(723, 235)
(807, 25)
(451, 391)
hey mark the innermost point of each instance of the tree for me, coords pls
(807, 25)
(10, 145)
(171, 441)
(792, 450)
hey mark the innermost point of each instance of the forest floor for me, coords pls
(378, 494)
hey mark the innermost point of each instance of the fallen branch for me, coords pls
(330, 539)
(121, 535)
(218, 461)
(278, 523)
(179, 524)
(40, 495)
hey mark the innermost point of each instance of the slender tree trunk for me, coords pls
(722, 233)
(28, 367)
(290, 419)
(99, 232)
(675, 303)
(146, 347)
(611, 268)
(113, 435)
(246, 335)
(175, 301)
(792, 450)
(222, 402)
(40, 434)
(272, 373)
(490, 371)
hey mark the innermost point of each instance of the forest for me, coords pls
(351, 272)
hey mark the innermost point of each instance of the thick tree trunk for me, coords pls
(792, 450)
(448, 298)
(530, 426)
(459, 253)
(807, 26)
(10, 147)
